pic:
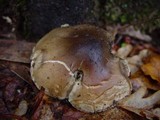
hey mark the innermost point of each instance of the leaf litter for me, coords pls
(17, 90)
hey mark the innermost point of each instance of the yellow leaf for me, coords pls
(152, 67)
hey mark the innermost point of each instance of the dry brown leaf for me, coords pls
(138, 79)
(20, 70)
(131, 31)
(144, 82)
(17, 51)
(149, 84)
(152, 67)
(138, 103)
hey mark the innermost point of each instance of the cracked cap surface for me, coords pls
(76, 63)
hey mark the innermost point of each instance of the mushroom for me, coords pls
(76, 63)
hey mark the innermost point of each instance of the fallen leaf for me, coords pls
(145, 82)
(12, 90)
(16, 51)
(131, 31)
(138, 79)
(20, 70)
(138, 99)
(3, 108)
(156, 112)
(151, 67)
(141, 104)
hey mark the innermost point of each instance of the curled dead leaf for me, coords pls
(138, 79)
(152, 67)
(131, 31)
(142, 105)
(144, 81)
(137, 60)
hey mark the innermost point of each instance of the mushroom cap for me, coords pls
(75, 62)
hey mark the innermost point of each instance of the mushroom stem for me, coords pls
(62, 63)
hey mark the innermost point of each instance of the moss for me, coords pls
(143, 14)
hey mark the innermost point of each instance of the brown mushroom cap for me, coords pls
(76, 63)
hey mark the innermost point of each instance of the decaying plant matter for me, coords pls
(145, 70)
(20, 98)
